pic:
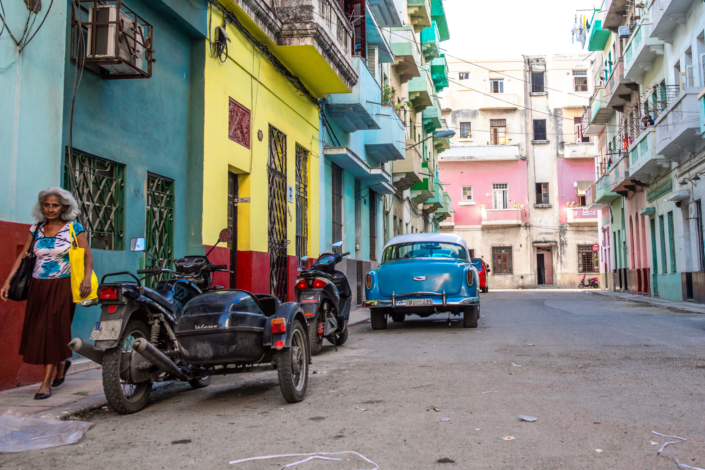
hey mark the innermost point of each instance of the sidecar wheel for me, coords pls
(200, 383)
(124, 397)
(292, 366)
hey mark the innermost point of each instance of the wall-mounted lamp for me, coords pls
(696, 178)
(683, 183)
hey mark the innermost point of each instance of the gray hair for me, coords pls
(66, 199)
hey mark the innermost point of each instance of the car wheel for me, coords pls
(378, 320)
(470, 317)
(398, 317)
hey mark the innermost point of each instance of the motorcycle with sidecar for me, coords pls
(186, 329)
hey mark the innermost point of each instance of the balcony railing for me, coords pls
(644, 162)
(501, 216)
(666, 15)
(580, 215)
(641, 51)
(678, 126)
(652, 104)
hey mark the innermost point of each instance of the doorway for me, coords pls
(654, 262)
(544, 266)
(233, 198)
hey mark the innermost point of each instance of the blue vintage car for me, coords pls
(423, 274)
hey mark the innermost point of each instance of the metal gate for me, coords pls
(301, 203)
(276, 173)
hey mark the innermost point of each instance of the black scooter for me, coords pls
(325, 297)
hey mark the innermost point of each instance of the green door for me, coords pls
(654, 262)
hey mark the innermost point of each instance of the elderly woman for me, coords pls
(47, 322)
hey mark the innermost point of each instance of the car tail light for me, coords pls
(471, 278)
(109, 293)
(302, 284)
(368, 281)
(319, 284)
(279, 325)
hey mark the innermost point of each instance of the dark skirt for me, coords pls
(47, 321)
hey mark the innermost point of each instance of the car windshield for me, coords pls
(424, 250)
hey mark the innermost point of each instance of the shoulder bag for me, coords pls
(78, 270)
(19, 285)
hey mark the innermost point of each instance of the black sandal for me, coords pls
(57, 382)
(42, 396)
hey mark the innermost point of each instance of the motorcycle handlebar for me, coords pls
(345, 254)
(149, 271)
(219, 266)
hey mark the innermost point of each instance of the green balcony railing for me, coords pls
(439, 73)
(430, 42)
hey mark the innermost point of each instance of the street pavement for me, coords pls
(599, 373)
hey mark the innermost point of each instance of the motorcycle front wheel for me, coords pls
(124, 397)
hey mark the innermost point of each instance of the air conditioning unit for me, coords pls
(127, 45)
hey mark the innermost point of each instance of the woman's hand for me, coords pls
(86, 287)
(3, 292)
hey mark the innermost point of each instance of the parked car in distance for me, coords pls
(482, 270)
(423, 274)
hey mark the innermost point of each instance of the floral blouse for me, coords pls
(53, 252)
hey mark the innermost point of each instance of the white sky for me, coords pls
(486, 29)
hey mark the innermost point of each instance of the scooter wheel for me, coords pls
(580, 286)
(340, 339)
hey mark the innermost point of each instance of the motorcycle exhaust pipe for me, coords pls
(86, 350)
(158, 358)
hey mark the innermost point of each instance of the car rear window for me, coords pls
(424, 250)
(477, 262)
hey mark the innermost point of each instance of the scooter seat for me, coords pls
(163, 298)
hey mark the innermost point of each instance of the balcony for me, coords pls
(614, 13)
(420, 93)
(422, 192)
(481, 153)
(439, 73)
(438, 14)
(387, 143)
(598, 36)
(618, 91)
(442, 144)
(387, 12)
(407, 53)
(581, 215)
(419, 14)
(376, 37)
(430, 43)
(357, 111)
(444, 212)
(581, 150)
(666, 15)
(591, 194)
(620, 180)
(504, 217)
(432, 117)
(598, 114)
(644, 162)
(407, 172)
(316, 41)
(701, 107)
(491, 101)
(348, 160)
(435, 202)
(641, 52)
(603, 195)
(677, 129)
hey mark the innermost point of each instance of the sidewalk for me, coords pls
(689, 307)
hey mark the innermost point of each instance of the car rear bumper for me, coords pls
(438, 301)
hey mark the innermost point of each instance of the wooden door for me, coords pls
(548, 266)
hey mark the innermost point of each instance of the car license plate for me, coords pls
(419, 302)
(106, 330)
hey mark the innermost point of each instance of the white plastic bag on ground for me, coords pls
(19, 433)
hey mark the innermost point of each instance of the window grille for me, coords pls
(500, 195)
(465, 128)
(502, 260)
(99, 188)
(672, 240)
(497, 86)
(337, 195)
(540, 129)
(160, 222)
(587, 260)
(537, 82)
(373, 225)
(302, 158)
(663, 245)
(542, 193)
(580, 73)
(581, 84)
(464, 75)
(277, 232)
(467, 193)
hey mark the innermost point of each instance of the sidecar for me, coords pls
(228, 331)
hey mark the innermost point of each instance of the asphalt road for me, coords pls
(598, 373)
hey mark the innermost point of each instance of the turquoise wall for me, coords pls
(670, 286)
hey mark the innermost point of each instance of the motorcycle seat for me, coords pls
(162, 297)
(268, 303)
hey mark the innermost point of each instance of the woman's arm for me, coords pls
(6, 286)
(88, 260)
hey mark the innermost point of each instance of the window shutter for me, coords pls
(372, 60)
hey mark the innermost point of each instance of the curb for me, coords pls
(647, 300)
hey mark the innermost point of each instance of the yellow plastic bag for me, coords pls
(78, 270)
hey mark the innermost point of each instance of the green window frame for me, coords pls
(662, 228)
(98, 185)
(672, 240)
(159, 220)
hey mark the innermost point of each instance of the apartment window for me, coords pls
(464, 75)
(537, 82)
(579, 135)
(465, 129)
(337, 195)
(498, 131)
(587, 259)
(500, 195)
(467, 193)
(672, 240)
(580, 81)
(302, 193)
(662, 229)
(99, 187)
(395, 228)
(373, 225)
(159, 222)
(497, 85)
(540, 129)
(502, 259)
(542, 193)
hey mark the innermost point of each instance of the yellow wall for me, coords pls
(250, 79)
